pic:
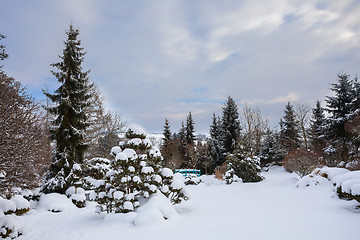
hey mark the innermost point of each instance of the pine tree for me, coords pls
(317, 128)
(189, 130)
(289, 131)
(230, 126)
(70, 101)
(216, 150)
(271, 152)
(341, 107)
(182, 133)
(167, 132)
(134, 175)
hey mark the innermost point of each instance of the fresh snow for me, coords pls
(7, 205)
(349, 182)
(20, 202)
(167, 172)
(130, 153)
(55, 202)
(271, 209)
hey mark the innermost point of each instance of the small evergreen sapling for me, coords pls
(134, 175)
(246, 168)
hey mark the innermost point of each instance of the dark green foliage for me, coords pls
(215, 146)
(289, 130)
(189, 130)
(167, 132)
(317, 131)
(70, 101)
(130, 134)
(246, 168)
(230, 126)
(133, 176)
(182, 133)
(271, 151)
(341, 107)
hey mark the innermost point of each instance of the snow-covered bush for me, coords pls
(312, 180)
(17, 204)
(76, 193)
(192, 179)
(134, 175)
(22, 205)
(348, 185)
(321, 177)
(302, 161)
(7, 206)
(77, 196)
(7, 228)
(246, 168)
(55, 202)
(230, 176)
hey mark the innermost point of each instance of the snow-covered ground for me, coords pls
(272, 209)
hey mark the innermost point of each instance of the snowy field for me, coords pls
(272, 209)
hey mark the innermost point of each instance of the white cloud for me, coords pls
(149, 56)
(291, 97)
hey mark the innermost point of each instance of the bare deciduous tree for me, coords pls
(104, 128)
(24, 152)
(303, 113)
(302, 161)
(253, 128)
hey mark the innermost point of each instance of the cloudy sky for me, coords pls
(161, 59)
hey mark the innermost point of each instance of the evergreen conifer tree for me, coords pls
(271, 152)
(215, 147)
(230, 126)
(70, 101)
(134, 175)
(317, 128)
(182, 133)
(289, 131)
(189, 130)
(341, 107)
(167, 132)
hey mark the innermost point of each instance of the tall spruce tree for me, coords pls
(317, 128)
(167, 132)
(182, 134)
(215, 147)
(70, 101)
(289, 130)
(230, 126)
(341, 107)
(189, 130)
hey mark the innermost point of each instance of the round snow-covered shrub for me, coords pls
(7, 228)
(155, 211)
(245, 168)
(22, 205)
(348, 185)
(77, 196)
(312, 180)
(7, 206)
(192, 179)
(55, 202)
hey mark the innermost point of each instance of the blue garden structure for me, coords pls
(186, 172)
